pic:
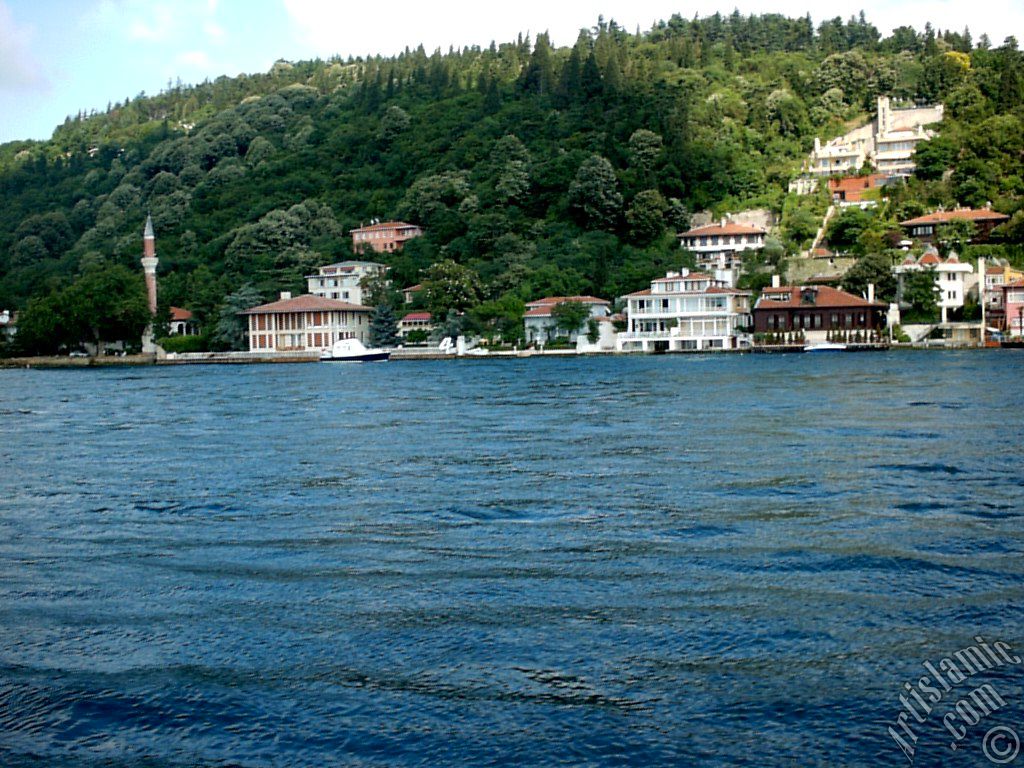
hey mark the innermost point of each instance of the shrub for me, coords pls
(184, 343)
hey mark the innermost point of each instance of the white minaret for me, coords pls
(149, 262)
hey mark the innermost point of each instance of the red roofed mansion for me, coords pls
(924, 228)
(306, 323)
(384, 237)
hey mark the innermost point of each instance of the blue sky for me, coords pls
(61, 56)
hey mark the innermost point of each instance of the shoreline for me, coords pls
(64, 362)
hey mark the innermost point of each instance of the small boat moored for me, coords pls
(352, 351)
(825, 346)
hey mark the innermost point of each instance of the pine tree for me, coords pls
(383, 327)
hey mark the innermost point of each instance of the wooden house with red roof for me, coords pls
(924, 228)
(815, 310)
(305, 323)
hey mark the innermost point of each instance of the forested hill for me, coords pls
(546, 170)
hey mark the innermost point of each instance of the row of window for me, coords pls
(297, 341)
(297, 321)
(705, 240)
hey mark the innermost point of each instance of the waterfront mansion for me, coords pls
(686, 311)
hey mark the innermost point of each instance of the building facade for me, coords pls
(685, 311)
(720, 246)
(1013, 307)
(305, 324)
(815, 310)
(182, 323)
(951, 278)
(541, 327)
(343, 281)
(384, 237)
(415, 321)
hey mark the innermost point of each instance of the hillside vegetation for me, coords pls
(543, 170)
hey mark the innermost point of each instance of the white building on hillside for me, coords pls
(342, 281)
(952, 277)
(720, 246)
(685, 311)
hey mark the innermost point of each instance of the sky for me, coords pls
(58, 57)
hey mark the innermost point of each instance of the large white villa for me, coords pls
(685, 311)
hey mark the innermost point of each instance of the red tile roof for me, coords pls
(930, 258)
(413, 288)
(305, 303)
(645, 292)
(728, 229)
(550, 301)
(180, 315)
(791, 297)
(958, 214)
(416, 316)
(386, 225)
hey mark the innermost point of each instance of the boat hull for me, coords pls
(369, 357)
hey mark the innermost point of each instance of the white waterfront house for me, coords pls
(342, 281)
(952, 277)
(305, 324)
(720, 246)
(686, 311)
(540, 326)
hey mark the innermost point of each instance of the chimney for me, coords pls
(724, 220)
(285, 295)
(776, 281)
(871, 292)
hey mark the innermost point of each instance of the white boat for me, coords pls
(352, 351)
(825, 346)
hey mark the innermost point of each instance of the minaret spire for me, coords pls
(149, 262)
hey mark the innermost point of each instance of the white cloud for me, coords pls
(196, 59)
(20, 69)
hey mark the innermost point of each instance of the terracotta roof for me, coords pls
(386, 225)
(645, 292)
(791, 297)
(930, 258)
(728, 229)
(180, 315)
(1015, 284)
(305, 303)
(732, 291)
(959, 214)
(413, 288)
(415, 316)
(550, 301)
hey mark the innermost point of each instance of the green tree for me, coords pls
(570, 315)
(594, 193)
(450, 286)
(646, 216)
(876, 269)
(230, 331)
(106, 304)
(921, 292)
(383, 326)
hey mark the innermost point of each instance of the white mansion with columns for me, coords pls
(685, 311)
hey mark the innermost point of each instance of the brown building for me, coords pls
(851, 189)
(923, 228)
(815, 308)
(384, 237)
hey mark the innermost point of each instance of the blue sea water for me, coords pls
(686, 560)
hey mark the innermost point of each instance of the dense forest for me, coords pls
(533, 169)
